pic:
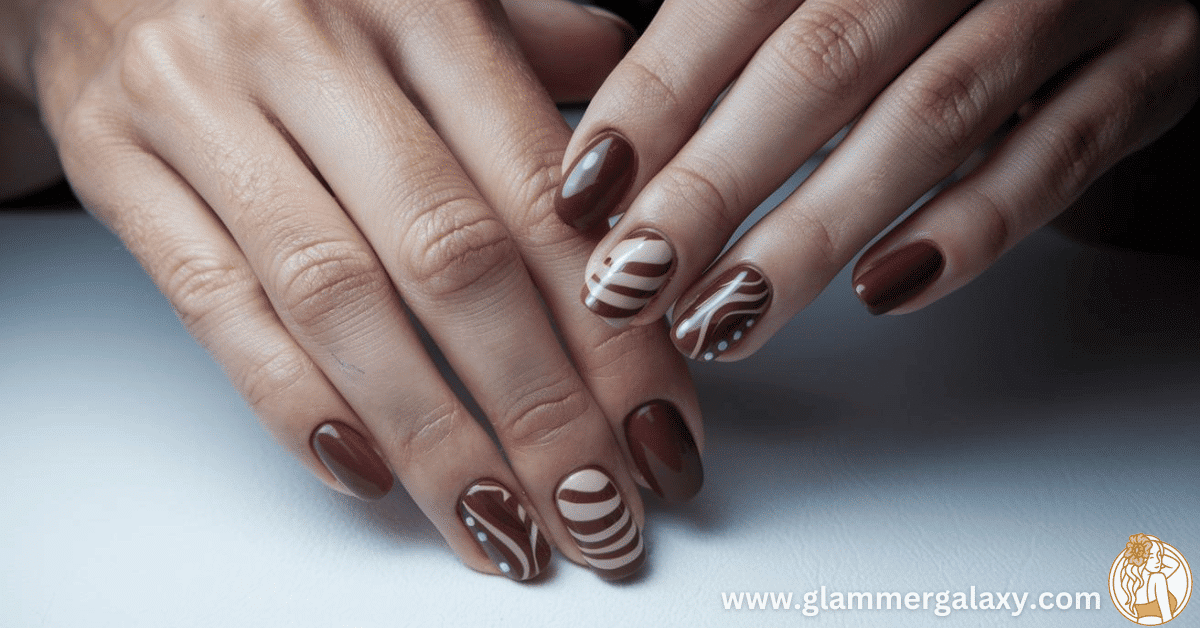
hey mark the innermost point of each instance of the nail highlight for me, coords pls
(664, 451)
(504, 530)
(722, 314)
(350, 458)
(601, 523)
(900, 276)
(624, 283)
(597, 181)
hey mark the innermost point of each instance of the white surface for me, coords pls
(1010, 437)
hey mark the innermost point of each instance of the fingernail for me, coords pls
(601, 523)
(899, 277)
(664, 451)
(597, 181)
(350, 458)
(719, 318)
(630, 33)
(504, 530)
(625, 282)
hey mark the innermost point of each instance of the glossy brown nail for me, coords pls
(504, 529)
(597, 181)
(722, 314)
(600, 522)
(900, 276)
(664, 451)
(350, 458)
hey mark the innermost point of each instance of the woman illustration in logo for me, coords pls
(1144, 580)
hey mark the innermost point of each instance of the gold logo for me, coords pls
(1150, 582)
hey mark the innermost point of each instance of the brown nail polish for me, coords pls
(722, 314)
(350, 458)
(900, 276)
(504, 529)
(597, 181)
(601, 524)
(624, 283)
(664, 451)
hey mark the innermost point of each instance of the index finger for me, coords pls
(512, 149)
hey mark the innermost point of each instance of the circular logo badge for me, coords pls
(1150, 582)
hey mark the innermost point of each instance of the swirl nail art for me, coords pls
(621, 287)
(601, 523)
(504, 530)
(722, 314)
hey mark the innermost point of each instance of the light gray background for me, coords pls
(1010, 437)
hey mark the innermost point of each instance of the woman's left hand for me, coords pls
(930, 81)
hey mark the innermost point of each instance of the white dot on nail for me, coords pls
(859, 288)
(749, 323)
(721, 346)
(481, 536)
(709, 356)
(470, 521)
(505, 568)
(737, 335)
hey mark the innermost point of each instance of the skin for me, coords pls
(928, 84)
(199, 131)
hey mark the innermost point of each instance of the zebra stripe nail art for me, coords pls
(722, 314)
(601, 523)
(504, 530)
(629, 277)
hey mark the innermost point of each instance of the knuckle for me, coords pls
(614, 356)
(149, 63)
(432, 431)
(946, 105)
(817, 239)
(995, 226)
(270, 374)
(708, 202)
(323, 284)
(827, 46)
(649, 89)
(542, 411)
(1077, 149)
(200, 285)
(457, 244)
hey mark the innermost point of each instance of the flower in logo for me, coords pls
(1137, 550)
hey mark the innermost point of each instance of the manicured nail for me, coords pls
(664, 451)
(597, 181)
(900, 276)
(625, 282)
(722, 314)
(350, 458)
(504, 530)
(601, 523)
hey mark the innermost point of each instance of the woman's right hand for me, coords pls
(300, 177)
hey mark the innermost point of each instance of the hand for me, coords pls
(301, 177)
(929, 83)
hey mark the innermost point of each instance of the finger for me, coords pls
(809, 78)
(655, 99)
(195, 263)
(918, 130)
(460, 273)
(1114, 105)
(570, 47)
(640, 383)
(329, 291)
